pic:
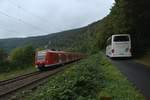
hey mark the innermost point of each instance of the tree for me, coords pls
(3, 56)
(22, 56)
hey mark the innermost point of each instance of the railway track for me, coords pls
(17, 78)
(10, 86)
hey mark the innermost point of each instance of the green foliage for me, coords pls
(19, 58)
(22, 56)
(3, 61)
(131, 17)
(3, 56)
(66, 40)
(80, 82)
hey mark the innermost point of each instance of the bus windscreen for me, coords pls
(121, 38)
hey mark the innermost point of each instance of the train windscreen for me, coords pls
(41, 56)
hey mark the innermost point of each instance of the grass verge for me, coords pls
(14, 73)
(94, 78)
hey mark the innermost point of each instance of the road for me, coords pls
(137, 73)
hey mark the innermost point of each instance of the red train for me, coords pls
(47, 58)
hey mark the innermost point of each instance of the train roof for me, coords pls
(51, 51)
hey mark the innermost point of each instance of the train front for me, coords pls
(40, 59)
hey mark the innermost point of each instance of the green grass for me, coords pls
(94, 78)
(14, 73)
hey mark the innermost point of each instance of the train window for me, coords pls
(41, 56)
(60, 58)
(57, 58)
(64, 58)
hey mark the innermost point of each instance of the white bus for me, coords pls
(119, 46)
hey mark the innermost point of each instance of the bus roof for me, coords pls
(121, 35)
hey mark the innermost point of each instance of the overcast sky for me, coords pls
(23, 18)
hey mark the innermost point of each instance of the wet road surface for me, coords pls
(137, 73)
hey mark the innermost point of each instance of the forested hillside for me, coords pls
(126, 16)
(129, 16)
(61, 40)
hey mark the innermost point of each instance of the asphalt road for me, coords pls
(137, 73)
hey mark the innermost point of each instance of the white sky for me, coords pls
(23, 18)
